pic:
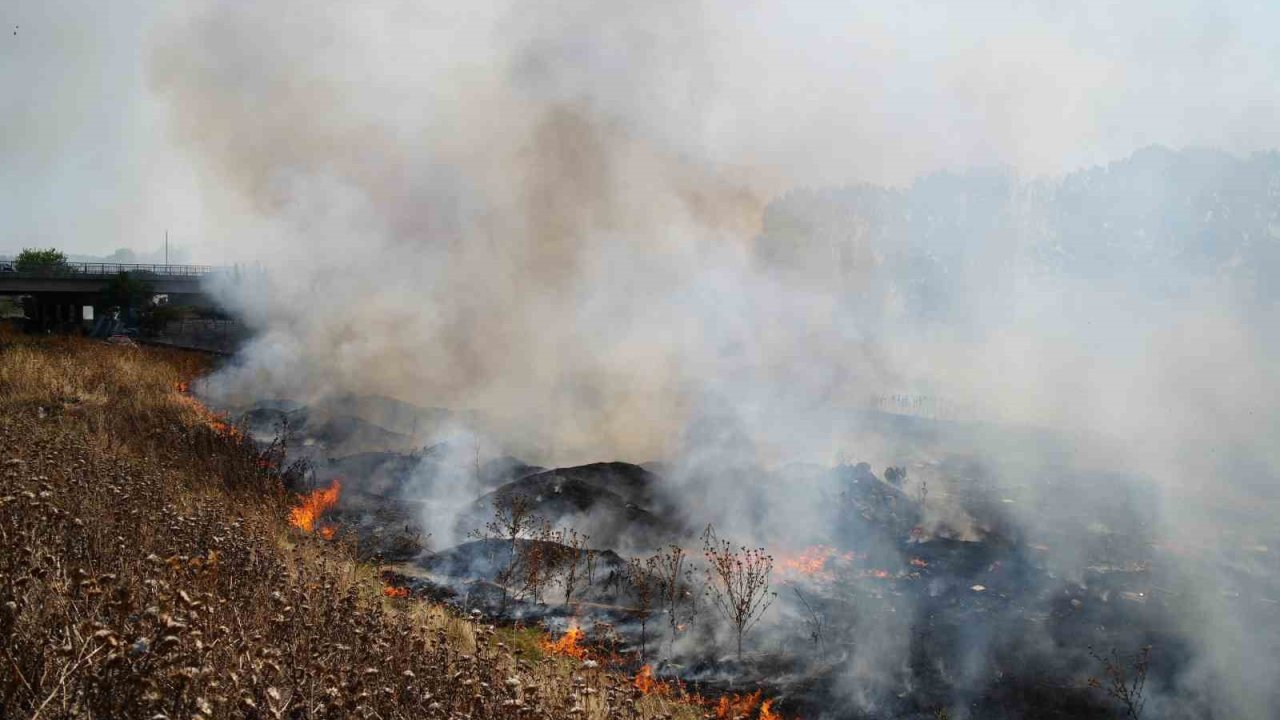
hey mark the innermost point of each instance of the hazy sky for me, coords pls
(798, 92)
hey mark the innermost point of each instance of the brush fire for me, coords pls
(215, 421)
(570, 644)
(818, 562)
(725, 707)
(646, 683)
(835, 360)
(312, 506)
(392, 591)
(729, 707)
(711, 615)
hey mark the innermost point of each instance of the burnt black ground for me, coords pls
(991, 620)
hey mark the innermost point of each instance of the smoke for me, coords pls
(567, 223)
(482, 243)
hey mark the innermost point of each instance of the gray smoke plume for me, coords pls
(567, 222)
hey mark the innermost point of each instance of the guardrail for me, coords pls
(10, 268)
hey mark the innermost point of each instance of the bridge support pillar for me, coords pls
(44, 315)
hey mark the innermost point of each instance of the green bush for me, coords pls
(37, 260)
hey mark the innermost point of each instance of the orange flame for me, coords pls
(732, 706)
(313, 505)
(807, 562)
(328, 532)
(216, 422)
(919, 562)
(646, 683)
(569, 644)
(735, 706)
(395, 592)
(812, 562)
(224, 428)
(726, 707)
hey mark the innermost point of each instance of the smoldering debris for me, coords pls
(608, 501)
(923, 595)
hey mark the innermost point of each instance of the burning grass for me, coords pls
(731, 706)
(815, 563)
(569, 645)
(307, 513)
(574, 644)
(392, 591)
(148, 569)
(217, 422)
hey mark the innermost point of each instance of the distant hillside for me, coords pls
(1159, 222)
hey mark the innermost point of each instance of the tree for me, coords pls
(36, 260)
(125, 291)
(157, 317)
(738, 582)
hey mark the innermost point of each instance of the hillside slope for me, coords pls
(147, 571)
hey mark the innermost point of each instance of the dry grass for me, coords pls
(146, 571)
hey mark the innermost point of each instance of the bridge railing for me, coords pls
(10, 268)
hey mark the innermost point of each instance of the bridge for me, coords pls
(89, 278)
(58, 294)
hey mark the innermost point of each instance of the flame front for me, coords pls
(216, 422)
(646, 683)
(733, 706)
(392, 591)
(313, 505)
(569, 644)
(807, 562)
(726, 707)
(812, 562)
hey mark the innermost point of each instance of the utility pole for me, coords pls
(166, 247)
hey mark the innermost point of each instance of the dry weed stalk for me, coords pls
(738, 582)
(573, 553)
(673, 580)
(640, 577)
(1124, 682)
(513, 521)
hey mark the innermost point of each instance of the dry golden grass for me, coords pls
(147, 571)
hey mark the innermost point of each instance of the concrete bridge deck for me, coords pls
(89, 278)
(60, 296)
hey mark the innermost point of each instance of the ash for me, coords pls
(907, 592)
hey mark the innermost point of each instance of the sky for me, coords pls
(799, 93)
